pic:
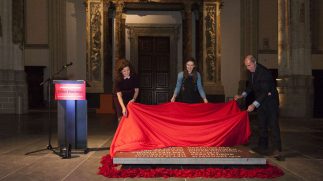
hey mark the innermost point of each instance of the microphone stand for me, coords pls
(49, 83)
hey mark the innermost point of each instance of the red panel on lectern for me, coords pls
(70, 91)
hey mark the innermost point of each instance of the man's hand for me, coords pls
(237, 97)
(251, 107)
(205, 100)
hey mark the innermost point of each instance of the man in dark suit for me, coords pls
(262, 84)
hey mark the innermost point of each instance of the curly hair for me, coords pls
(120, 64)
(194, 72)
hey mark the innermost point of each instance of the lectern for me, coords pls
(71, 113)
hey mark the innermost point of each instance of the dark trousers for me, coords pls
(268, 119)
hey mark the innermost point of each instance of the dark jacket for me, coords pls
(262, 84)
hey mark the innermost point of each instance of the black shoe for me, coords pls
(280, 158)
(278, 155)
(260, 150)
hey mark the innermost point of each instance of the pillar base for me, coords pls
(296, 96)
(13, 92)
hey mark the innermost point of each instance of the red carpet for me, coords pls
(269, 171)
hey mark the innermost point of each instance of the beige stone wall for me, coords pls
(76, 39)
(36, 35)
(317, 29)
(267, 25)
(36, 14)
(230, 53)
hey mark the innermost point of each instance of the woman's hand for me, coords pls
(124, 111)
(205, 100)
(132, 100)
(172, 99)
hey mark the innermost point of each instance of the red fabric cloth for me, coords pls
(181, 124)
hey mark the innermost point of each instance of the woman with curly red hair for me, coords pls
(126, 86)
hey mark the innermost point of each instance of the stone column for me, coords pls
(187, 30)
(119, 30)
(295, 84)
(249, 36)
(57, 37)
(13, 87)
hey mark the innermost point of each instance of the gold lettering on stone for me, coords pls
(191, 152)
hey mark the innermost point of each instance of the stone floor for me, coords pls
(19, 134)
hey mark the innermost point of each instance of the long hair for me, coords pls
(120, 64)
(194, 72)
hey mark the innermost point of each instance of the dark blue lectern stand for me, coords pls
(72, 114)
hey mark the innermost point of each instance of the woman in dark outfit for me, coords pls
(126, 86)
(189, 85)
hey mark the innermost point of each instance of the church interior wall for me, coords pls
(317, 33)
(36, 33)
(76, 39)
(267, 26)
(36, 17)
(37, 52)
(268, 60)
(230, 52)
(36, 56)
(268, 35)
(317, 25)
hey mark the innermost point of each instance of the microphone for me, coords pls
(67, 65)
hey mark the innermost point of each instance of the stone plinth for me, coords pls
(296, 96)
(191, 155)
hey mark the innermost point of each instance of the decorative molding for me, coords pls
(187, 30)
(267, 51)
(212, 48)
(36, 46)
(154, 6)
(210, 35)
(95, 44)
(119, 30)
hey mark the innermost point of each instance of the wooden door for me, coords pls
(154, 69)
